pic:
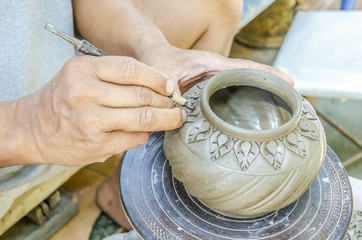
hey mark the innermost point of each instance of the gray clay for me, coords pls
(252, 152)
(250, 108)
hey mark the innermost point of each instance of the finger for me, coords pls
(143, 119)
(128, 71)
(241, 63)
(117, 96)
(120, 141)
(277, 73)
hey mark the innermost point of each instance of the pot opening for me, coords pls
(250, 108)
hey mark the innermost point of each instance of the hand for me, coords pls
(96, 107)
(189, 67)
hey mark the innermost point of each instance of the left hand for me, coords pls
(189, 67)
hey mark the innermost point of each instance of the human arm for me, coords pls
(93, 108)
(125, 27)
(117, 27)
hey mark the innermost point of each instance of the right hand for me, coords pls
(96, 107)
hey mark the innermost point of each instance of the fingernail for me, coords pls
(184, 116)
(169, 86)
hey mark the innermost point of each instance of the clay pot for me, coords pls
(252, 144)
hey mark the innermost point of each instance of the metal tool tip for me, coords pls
(49, 26)
(189, 106)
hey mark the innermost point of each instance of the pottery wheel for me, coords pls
(159, 207)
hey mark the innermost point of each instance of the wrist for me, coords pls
(16, 141)
(148, 50)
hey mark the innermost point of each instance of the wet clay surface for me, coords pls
(250, 108)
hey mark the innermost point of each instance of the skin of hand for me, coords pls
(133, 33)
(93, 108)
(188, 67)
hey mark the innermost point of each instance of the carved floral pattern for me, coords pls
(295, 143)
(193, 95)
(220, 144)
(245, 152)
(273, 151)
(195, 114)
(307, 111)
(200, 130)
(308, 129)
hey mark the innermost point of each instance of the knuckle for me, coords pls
(70, 64)
(75, 84)
(78, 64)
(145, 118)
(129, 69)
(143, 96)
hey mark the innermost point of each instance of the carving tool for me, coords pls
(87, 48)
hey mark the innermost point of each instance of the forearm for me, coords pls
(16, 145)
(117, 27)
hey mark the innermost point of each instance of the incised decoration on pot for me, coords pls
(246, 151)
(246, 172)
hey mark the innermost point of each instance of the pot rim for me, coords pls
(258, 79)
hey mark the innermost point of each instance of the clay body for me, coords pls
(252, 144)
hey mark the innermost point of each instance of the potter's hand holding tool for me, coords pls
(93, 108)
(87, 48)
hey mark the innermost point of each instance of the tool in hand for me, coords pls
(87, 48)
